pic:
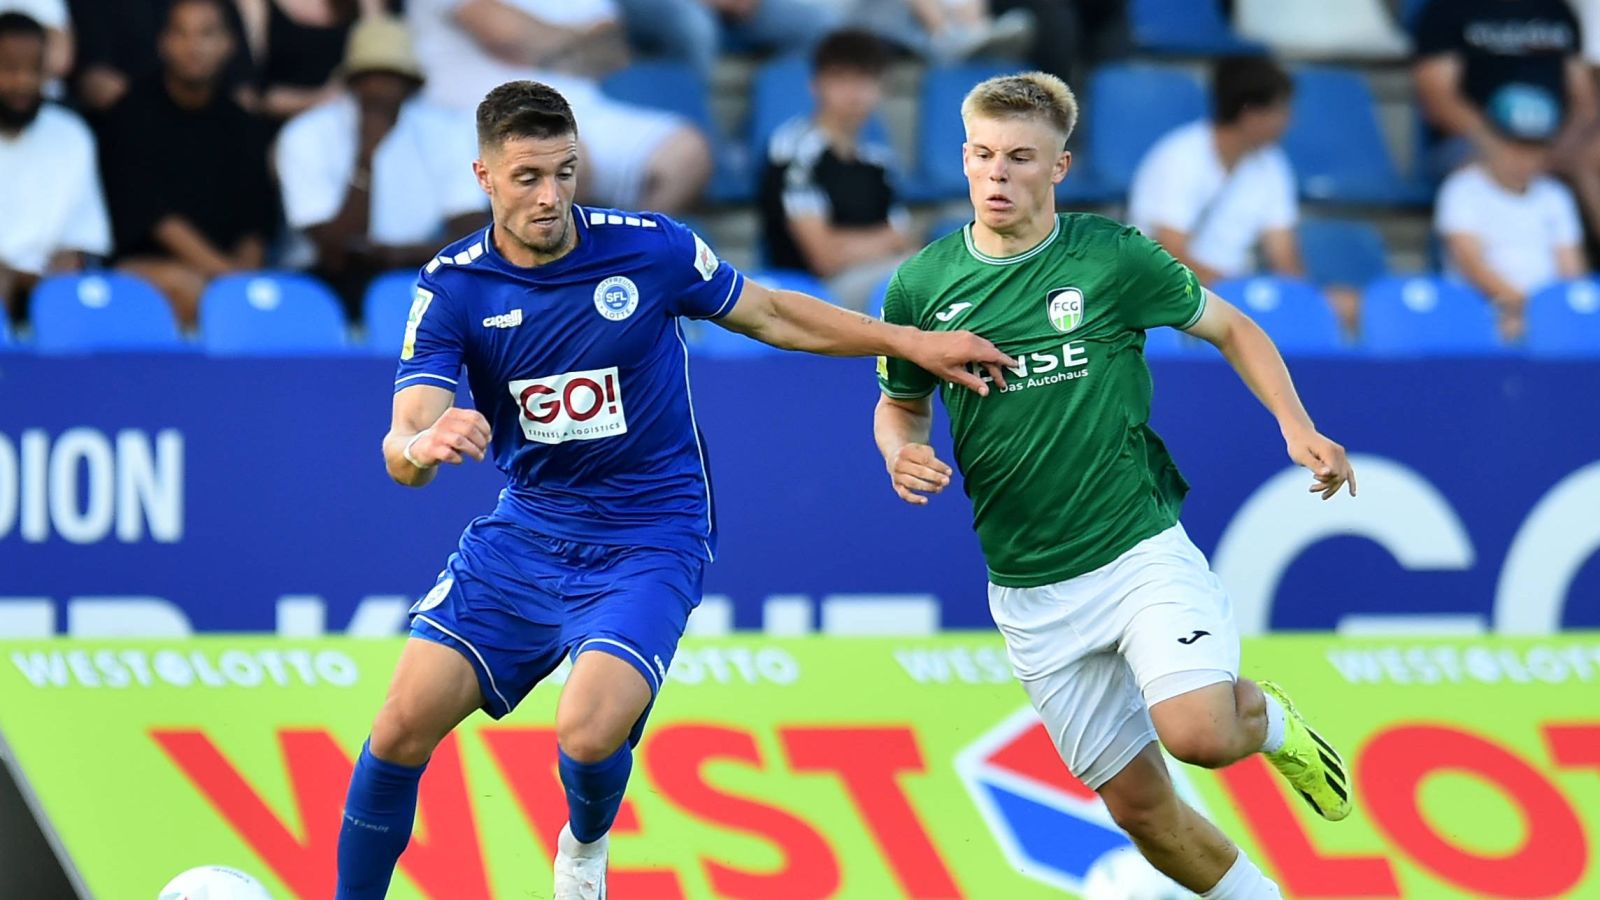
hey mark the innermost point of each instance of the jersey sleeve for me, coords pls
(897, 377)
(434, 340)
(1156, 288)
(698, 285)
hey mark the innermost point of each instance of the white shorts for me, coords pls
(618, 140)
(1097, 651)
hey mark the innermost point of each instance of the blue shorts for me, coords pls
(515, 602)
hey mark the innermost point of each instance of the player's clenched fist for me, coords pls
(946, 355)
(915, 470)
(457, 434)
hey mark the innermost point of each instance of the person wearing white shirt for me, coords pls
(1510, 229)
(49, 179)
(378, 178)
(634, 157)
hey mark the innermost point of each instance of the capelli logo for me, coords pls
(509, 320)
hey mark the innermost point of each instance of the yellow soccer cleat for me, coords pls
(1314, 769)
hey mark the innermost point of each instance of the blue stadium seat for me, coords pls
(1336, 144)
(1564, 320)
(270, 313)
(781, 91)
(1184, 28)
(678, 88)
(940, 132)
(5, 332)
(1343, 251)
(1410, 10)
(1427, 316)
(1293, 312)
(948, 225)
(1130, 108)
(101, 311)
(384, 310)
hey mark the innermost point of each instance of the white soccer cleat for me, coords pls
(580, 868)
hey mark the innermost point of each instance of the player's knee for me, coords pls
(401, 736)
(588, 740)
(1142, 813)
(1208, 748)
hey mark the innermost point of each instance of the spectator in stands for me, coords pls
(49, 187)
(692, 31)
(947, 31)
(378, 178)
(1071, 38)
(827, 204)
(53, 15)
(1211, 191)
(1467, 50)
(633, 157)
(116, 47)
(185, 167)
(296, 45)
(1508, 227)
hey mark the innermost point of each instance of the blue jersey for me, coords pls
(581, 368)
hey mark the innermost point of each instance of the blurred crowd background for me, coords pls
(179, 160)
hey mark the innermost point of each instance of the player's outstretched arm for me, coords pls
(901, 428)
(426, 430)
(796, 321)
(1261, 367)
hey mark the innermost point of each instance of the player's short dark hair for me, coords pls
(18, 23)
(851, 49)
(524, 109)
(1241, 83)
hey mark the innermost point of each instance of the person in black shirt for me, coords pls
(827, 206)
(116, 48)
(185, 166)
(1468, 50)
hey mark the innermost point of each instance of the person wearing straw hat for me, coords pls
(376, 177)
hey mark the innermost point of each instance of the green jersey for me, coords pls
(1063, 469)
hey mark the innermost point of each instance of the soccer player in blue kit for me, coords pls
(567, 320)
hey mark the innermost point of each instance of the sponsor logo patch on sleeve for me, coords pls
(419, 308)
(705, 262)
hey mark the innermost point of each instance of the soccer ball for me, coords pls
(1123, 874)
(214, 883)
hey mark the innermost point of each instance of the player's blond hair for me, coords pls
(1028, 95)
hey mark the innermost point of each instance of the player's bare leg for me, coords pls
(1213, 726)
(1171, 835)
(602, 701)
(432, 690)
(677, 172)
(1220, 724)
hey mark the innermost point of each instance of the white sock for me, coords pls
(1243, 881)
(1276, 725)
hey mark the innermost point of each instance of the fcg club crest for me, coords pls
(616, 298)
(1065, 308)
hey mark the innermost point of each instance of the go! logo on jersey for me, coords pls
(575, 406)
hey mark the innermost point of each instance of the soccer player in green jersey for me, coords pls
(1113, 620)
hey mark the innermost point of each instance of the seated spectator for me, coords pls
(116, 47)
(185, 166)
(1508, 227)
(947, 31)
(1211, 191)
(53, 15)
(692, 31)
(632, 157)
(1316, 28)
(378, 178)
(827, 206)
(1467, 50)
(49, 186)
(296, 45)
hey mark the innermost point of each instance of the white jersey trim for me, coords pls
(450, 381)
(705, 474)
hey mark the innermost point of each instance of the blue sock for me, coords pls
(594, 792)
(378, 813)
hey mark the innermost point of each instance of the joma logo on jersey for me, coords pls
(576, 406)
(1064, 306)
